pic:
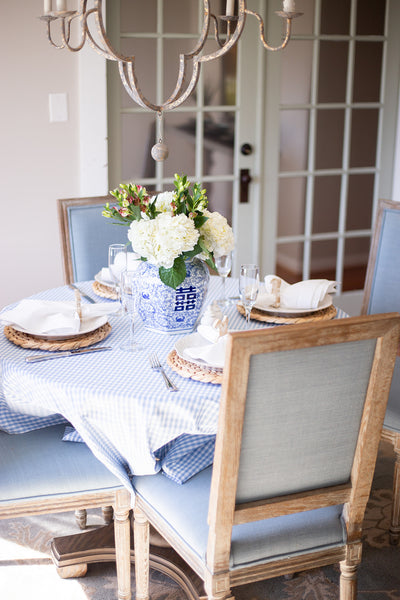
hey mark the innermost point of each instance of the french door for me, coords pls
(294, 147)
(335, 120)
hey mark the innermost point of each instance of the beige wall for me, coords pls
(39, 160)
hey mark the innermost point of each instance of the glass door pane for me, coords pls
(330, 132)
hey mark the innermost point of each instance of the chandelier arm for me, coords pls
(184, 59)
(216, 31)
(234, 37)
(107, 50)
(204, 32)
(262, 38)
(129, 82)
(172, 101)
(183, 62)
(131, 85)
(58, 46)
(66, 33)
(108, 54)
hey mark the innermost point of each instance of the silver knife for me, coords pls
(88, 298)
(42, 357)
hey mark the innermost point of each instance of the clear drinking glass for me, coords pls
(129, 298)
(249, 283)
(224, 266)
(117, 261)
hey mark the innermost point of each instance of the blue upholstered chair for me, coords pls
(382, 294)
(39, 473)
(300, 421)
(86, 235)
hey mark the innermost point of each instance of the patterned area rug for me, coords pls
(26, 570)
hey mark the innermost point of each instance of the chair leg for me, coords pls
(141, 530)
(80, 517)
(348, 581)
(348, 572)
(394, 531)
(122, 529)
(217, 587)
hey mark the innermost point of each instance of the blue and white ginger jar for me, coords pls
(166, 310)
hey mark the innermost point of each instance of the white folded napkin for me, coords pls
(132, 263)
(211, 342)
(304, 294)
(44, 317)
(213, 355)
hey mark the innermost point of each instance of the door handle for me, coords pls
(245, 179)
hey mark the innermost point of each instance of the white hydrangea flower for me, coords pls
(217, 234)
(163, 239)
(163, 202)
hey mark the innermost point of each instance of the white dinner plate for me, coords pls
(285, 311)
(105, 282)
(87, 326)
(190, 341)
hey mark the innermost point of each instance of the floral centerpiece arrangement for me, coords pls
(171, 227)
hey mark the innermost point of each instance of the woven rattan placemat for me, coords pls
(104, 291)
(37, 343)
(321, 315)
(188, 369)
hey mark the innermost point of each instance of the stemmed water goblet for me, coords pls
(129, 299)
(249, 282)
(117, 261)
(224, 266)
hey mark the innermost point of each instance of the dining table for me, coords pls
(115, 402)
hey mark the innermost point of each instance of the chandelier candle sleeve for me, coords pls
(48, 6)
(289, 6)
(230, 6)
(61, 5)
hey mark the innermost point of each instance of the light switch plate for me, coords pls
(58, 107)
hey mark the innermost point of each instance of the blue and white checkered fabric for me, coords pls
(115, 402)
(186, 456)
(71, 435)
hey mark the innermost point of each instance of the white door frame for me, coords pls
(93, 142)
(247, 218)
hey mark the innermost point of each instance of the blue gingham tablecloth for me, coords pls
(115, 402)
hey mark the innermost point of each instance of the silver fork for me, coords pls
(156, 366)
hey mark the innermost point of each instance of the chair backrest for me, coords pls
(86, 235)
(301, 415)
(382, 282)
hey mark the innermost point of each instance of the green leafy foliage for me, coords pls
(175, 275)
